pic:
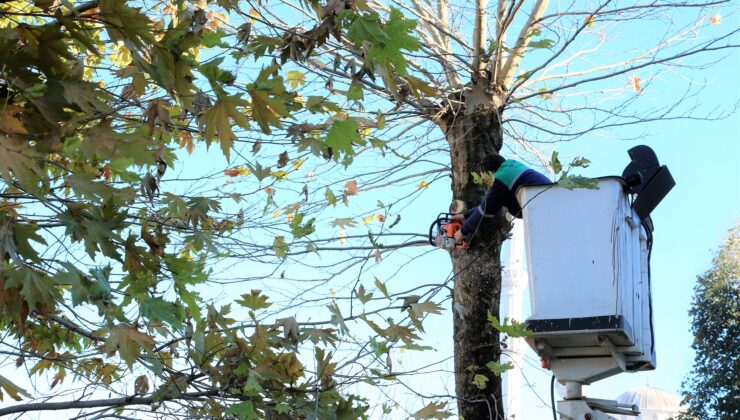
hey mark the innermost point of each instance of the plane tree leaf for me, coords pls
(271, 102)
(128, 342)
(220, 118)
(342, 135)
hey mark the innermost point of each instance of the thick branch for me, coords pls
(479, 33)
(512, 63)
(110, 402)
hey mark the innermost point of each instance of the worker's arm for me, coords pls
(492, 203)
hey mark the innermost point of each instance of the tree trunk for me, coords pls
(477, 271)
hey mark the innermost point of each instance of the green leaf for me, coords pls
(254, 300)
(157, 309)
(270, 101)
(320, 104)
(343, 222)
(77, 280)
(337, 318)
(280, 247)
(219, 120)
(381, 122)
(215, 75)
(342, 134)
(511, 328)
(24, 233)
(381, 286)
(214, 38)
(541, 43)
(330, 197)
(572, 182)
(301, 230)
(367, 27)
(37, 289)
(499, 368)
(354, 93)
(363, 296)
(243, 410)
(416, 347)
(19, 161)
(388, 55)
(258, 171)
(480, 381)
(555, 163)
(433, 411)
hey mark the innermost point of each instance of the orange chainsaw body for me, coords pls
(445, 236)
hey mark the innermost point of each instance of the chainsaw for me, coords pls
(444, 235)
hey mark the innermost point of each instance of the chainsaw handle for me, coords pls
(436, 223)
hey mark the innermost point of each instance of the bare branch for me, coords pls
(512, 63)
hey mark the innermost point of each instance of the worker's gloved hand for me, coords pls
(459, 237)
(460, 217)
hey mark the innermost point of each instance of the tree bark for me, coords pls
(477, 270)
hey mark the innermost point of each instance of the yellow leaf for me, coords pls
(422, 185)
(295, 78)
(253, 14)
(12, 389)
(276, 213)
(298, 163)
(120, 56)
(369, 219)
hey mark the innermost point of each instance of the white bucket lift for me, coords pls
(588, 253)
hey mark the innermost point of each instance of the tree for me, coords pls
(710, 390)
(114, 234)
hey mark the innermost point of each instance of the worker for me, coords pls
(508, 176)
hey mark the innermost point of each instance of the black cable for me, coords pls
(552, 398)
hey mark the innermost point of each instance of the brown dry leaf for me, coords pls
(157, 111)
(256, 147)
(9, 121)
(129, 92)
(635, 83)
(186, 141)
(232, 172)
(141, 385)
(282, 159)
(378, 257)
(716, 19)
(350, 188)
(154, 246)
